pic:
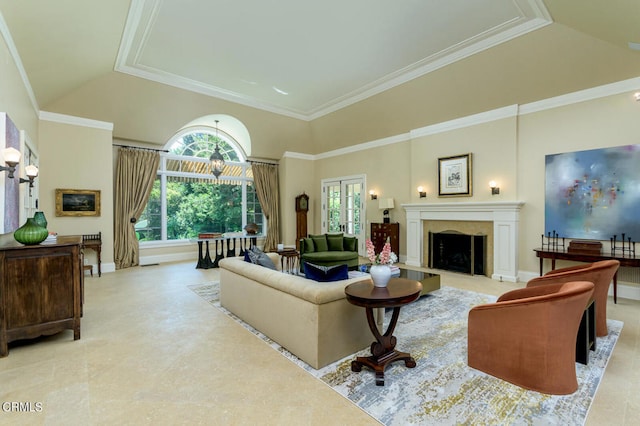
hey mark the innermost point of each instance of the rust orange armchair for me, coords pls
(528, 337)
(599, 273)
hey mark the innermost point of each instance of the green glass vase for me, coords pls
(40, 219)
(30, 233)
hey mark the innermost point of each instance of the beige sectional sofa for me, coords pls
(311, 319)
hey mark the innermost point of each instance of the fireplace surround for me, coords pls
(504, 216)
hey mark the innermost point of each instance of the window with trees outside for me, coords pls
(187, 199)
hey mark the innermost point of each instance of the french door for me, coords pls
(343, 207)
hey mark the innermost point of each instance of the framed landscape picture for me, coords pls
(454, 176)
(77, 202)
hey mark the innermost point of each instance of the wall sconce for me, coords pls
(422, 192)
(11, 158)
(32, 173)
(637, 96)
(373, 194)
(494, 188)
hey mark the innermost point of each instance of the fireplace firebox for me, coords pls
(458, 252)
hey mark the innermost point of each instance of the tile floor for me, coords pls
(153, 352)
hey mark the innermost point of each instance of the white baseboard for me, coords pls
(172, 257)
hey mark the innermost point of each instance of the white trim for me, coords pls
(421, 68)
(470, 120)
(504, 215)
(533, 15)
(612, 89)
(582, 96)
(172, 257)
(75, 121)
(6, 34)
(298, 156)
(404, 137)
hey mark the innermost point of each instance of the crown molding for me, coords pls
(13, 51)
(298, 156)
(603, 91)
(534, 16)
(76, 121)
(582, 96)
(470, 120)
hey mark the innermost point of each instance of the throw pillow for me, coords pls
(334, 242)
(259, 257)
(326, 273)
(246, 257)
(309, 247)
(350, 244)
(320, 242)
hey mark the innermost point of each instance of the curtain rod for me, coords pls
(262, 160)
(139, 147)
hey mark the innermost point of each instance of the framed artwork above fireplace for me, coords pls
(454, 176)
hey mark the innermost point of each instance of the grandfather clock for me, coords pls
(302, 207)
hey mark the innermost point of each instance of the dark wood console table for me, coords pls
(399, 292)
(40, 289)
(629, 261)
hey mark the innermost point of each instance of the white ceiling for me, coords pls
(307, 59)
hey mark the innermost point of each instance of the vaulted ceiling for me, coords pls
(291, 57)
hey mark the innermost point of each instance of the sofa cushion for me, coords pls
(320, 242)
(335, 242)
(309, 247)
(350, 244)
(326, 273)
(259, 257)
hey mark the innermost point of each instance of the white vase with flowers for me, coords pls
(380, 263)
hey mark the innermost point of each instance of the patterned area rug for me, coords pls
(442, 389)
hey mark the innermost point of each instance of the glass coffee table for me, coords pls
(429, 281)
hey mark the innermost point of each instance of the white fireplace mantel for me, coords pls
(504, 215)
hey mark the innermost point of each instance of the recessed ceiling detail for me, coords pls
(269, 55)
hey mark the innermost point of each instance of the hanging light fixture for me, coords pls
(217, 162)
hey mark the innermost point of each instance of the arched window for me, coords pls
(188, 200)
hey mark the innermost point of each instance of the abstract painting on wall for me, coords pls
(594, 194)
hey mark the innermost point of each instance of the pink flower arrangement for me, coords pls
(386, 256)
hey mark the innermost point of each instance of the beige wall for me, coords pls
(493, 146)
(296, 177)
(14, 99)
(77, 157)
(478, 83)
(387, 173)
(151, 112)
(396, 170)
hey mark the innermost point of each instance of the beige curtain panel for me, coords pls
(266, 181)
(135, 172)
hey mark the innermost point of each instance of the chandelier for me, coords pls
(217, 162)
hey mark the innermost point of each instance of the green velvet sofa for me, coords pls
(328, 250)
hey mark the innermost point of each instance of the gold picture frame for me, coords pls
(454, 176)
(77, 202)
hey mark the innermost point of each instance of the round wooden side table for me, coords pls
(399, 292)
